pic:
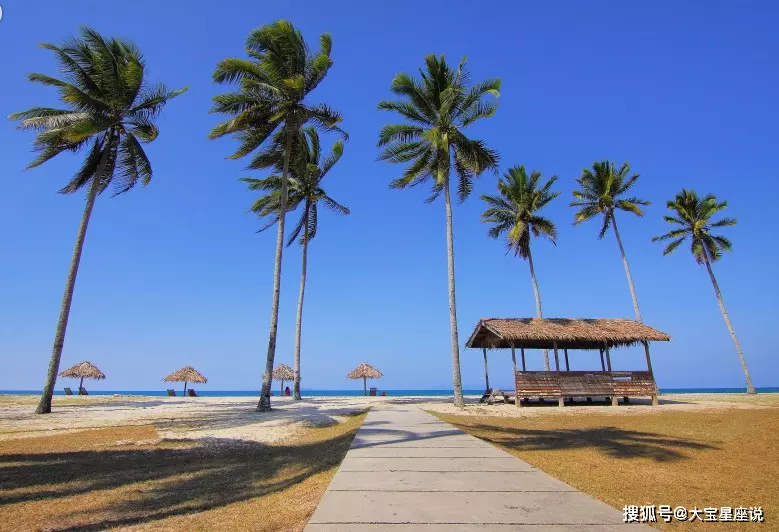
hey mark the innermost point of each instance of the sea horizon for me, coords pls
(350, 393)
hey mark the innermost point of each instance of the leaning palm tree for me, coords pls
(438, 107)
(266, 113)
(601, 192)
(514, 212)
(307, 170)
(109, 111)
(692, 218)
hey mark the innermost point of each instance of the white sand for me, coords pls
(224, 419)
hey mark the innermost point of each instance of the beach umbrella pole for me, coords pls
(80, 384)
(185, 388)
(281, 390)
(364, 386)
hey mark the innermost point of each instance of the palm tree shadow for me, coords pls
(611, 441)
(186, 478)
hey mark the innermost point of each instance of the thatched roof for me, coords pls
(283, 373)
(364, 370)
(188, 374)
(83, 369)
(539, 333)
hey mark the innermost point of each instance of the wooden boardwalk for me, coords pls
(407, 470)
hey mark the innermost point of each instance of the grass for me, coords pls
(712, 458)
(127, 476)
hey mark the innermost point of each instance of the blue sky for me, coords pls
(174, 274)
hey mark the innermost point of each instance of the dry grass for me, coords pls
(712, 458)
(126, 477)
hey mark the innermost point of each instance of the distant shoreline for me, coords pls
(351, 393)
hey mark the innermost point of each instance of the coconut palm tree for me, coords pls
(438, 107)
(692, 219)
(109, 111)
(307, 172)
(514, 212)
(602, 192)
(266, 113)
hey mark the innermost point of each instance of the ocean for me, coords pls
(331, 393)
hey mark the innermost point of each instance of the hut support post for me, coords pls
(608, 355)
(602, 362)
(513, 358)
(567, 367)
(185, 388)
(364, 386)
(655, 402)
(80, 385)
(522, 352)
(648, 360)
(486, 373)
(561, 400)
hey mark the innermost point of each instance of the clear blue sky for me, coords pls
(174, 273)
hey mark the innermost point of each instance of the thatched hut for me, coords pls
(83, 370)
(185, 375)
(282, 373)
(565, 334)
(364, 371)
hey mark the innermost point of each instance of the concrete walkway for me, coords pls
(407, 470)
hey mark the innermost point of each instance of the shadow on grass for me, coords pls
(611, 441)
(183, 478)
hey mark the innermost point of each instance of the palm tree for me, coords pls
(692, 218)
(438, 107)
(109, 111)
(514, 212)
(307, 172)
(601, 193)
(267, 112)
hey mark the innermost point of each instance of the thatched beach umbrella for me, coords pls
(83, 370)
(283, 373)
(364, 371)
(186, 374)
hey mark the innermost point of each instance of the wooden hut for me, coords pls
(364, 371)
(83, 370)
(282, 373)
(185, 375)
(564, 334)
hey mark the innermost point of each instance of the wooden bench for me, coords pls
(570, 384)
(633, 384)
(492, 395)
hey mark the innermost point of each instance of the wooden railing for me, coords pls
(563, 384)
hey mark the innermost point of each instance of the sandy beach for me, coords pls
(234, 418)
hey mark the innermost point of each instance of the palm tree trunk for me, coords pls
(632, 289)
(264, 404)
(750, 386)
(44, 406)
(627, 269)
(538, 300)
(299, 320)
(456, 379)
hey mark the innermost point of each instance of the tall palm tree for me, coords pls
(266, 113)
(307, 171)
(109, 111)
(601, 192)
(438, 107)
(692, 218)
(514, 212)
